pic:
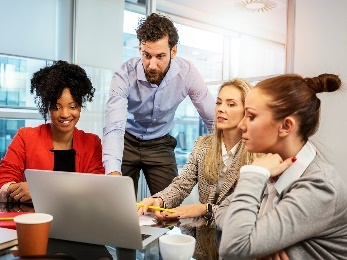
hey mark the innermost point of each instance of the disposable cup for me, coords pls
(32, 233)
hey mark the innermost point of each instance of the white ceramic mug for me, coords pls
(176, 247)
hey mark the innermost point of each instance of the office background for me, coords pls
(221, 37)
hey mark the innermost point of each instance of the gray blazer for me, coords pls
(309, 222)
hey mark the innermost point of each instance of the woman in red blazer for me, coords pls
(61, 90)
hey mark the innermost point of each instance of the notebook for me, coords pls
(90, 208)
(8, 238)
(9, 223)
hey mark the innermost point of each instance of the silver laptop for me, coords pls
(90, 208)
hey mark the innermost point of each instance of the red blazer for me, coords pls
(30, 149)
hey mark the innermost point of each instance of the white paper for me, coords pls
(147, 220)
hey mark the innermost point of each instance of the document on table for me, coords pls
(147, 220)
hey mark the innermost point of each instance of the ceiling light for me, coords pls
(256, 5)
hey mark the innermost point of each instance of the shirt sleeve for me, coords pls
(254, 168)
(115, 120)
(201, 97)
(95, 164)
(13, 164)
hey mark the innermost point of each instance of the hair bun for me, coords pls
(324, 83)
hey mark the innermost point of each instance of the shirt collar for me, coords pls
(303, 160)
(227, 155)
(140, 71)
(173, 71)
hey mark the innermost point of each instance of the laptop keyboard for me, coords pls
(144, 236)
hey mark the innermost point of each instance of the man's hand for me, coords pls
(115, 173)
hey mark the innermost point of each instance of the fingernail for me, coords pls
(293, 159)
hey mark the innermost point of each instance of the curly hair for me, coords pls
(49, 83)
(156, 27)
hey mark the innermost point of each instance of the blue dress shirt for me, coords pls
(147, 110)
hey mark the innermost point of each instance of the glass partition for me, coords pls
(17, 107)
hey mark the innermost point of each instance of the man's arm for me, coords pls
(201, 97)
(115, 120)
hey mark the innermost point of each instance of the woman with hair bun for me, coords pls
(61, 91)
(291, 203)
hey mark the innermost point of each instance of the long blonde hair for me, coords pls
(214, 145)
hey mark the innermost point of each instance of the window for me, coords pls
(218, 53)
(17, 107)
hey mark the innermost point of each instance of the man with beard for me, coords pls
(143, 98)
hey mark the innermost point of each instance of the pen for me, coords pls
(157, 208)
(1, 219)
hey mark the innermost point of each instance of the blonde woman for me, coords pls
(213, 165)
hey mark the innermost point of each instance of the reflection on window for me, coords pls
(254, 57)
(93, 115)
(130, 41)
(17, 106)
(8, 129)
(204, 49)
(15, 75)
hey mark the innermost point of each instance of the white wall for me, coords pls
(320, 47)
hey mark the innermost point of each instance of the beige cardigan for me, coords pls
(192, 174)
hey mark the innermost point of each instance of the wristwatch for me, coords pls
(209, 214)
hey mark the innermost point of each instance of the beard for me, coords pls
(156, 76)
